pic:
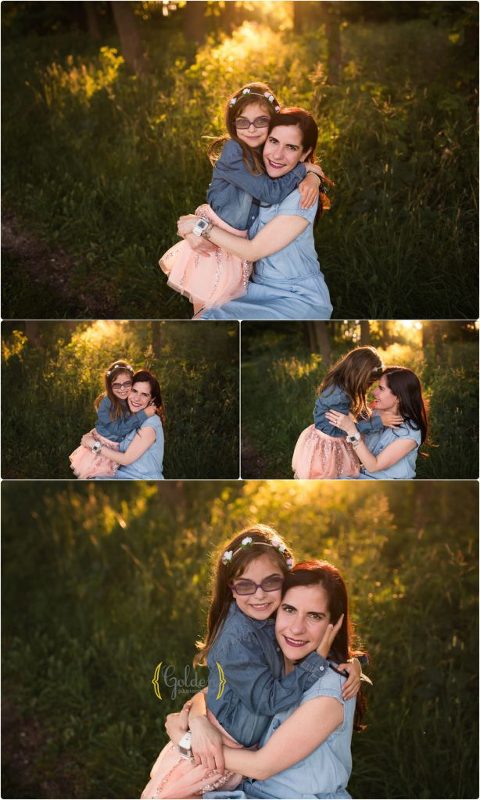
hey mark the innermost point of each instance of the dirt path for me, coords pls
(48, 269)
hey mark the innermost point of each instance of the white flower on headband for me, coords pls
(277, 109)
(278, 544)
(248, 539)
(269, 96)
(246, 91)
(233, 101)
(289, 562)
(227, 557)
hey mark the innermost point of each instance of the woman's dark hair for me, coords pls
(408, 390)
(145, 376)
(112, 372)
(265, 541)
(324, 574)
(309, 130)
(255, 92)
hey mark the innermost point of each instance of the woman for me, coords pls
(390, 453)
(287, 282)
(312, 741)
(140, 453)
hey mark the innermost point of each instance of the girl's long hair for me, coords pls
(223, 573)
(354, 373)
(256, 94)
(408, 390)
(324, 574)
(118, 408)
(145, 376)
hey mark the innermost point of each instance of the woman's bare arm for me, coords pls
(141, 442)
(276, 235)
(295, 739)
(388, 457)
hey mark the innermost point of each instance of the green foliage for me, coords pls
(102, 164)
(280, 379)
(101, 583)
(50, 390)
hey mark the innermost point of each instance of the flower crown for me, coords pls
(265, 96)
(276, 543)
(125, 367)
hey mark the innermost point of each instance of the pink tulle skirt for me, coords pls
(175, 777)
(207, 281)
(86, 464)
(317, 455)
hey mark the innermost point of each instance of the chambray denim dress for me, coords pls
(235, 194)
(150, 464)
(322, 774)
(249, 689)
(334, 397)
(287, 284)
(404, 469)
(116, 429)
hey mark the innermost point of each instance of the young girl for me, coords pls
(325, 451)
(114, 421)
(208, 275)
(245, 683)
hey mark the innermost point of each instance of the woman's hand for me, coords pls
(342, 421)
(325, 645)
(351, 686)
(177, 725)
(207, 744)
(390, 419)
(186, 224)
(309, 190)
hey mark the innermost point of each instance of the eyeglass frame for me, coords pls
(257, 585)
(251, 122)
(118, 386)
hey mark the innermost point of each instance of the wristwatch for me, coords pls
(200, 227)
(96, 447)
(353, 437)
(185, 745)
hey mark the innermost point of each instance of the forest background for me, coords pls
(103, 582)
(106, 107)
(284, 363)
(53, 371)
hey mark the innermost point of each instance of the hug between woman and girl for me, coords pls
(127, 441)
(262, 205)
(350, 440)
(283, 685)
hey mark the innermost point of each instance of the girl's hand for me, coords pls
(316, 168)
(88, 440)
(177, 725)
(186, 224)
(200, 245)
(390, 419)
(309, 190)
(351, 686)
(342, 421)
(150, 410)
(207, 744)
(325, 645)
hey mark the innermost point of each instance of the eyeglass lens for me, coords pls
(259, 122)
(271, 584)
(125, 385)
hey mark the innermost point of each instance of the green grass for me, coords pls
(100, 583)
(49, 392)
(100, 165)
(279, 386)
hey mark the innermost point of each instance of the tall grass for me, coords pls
(100, 583)
(49, 393)
(101, 164)
(279, 388)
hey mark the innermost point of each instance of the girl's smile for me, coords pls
(122, 384)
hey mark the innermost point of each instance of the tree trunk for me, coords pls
(93, 21)
(131, 44)
(156, 338)
(319, 339)
(364, 332)
(334, 51)
(32, 332)
(229, 16)
(194, 21)
(300, 11)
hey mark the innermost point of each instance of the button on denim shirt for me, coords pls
(252, 664)
(117, 429)
(336, 398)
(234, 193)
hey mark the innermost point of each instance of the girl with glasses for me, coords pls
(208, 275)
(246, 687)
(114, 421)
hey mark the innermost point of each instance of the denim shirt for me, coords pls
(249, 689)
(235, 194)
(117, 429)
(334, 397)
(404, 468)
